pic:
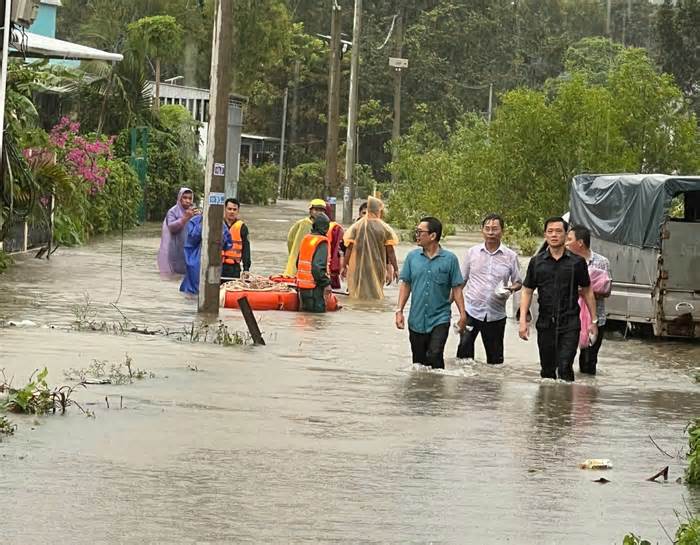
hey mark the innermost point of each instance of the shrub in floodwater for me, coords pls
(631, 539)
(688, 533)
(6, 427)
(83, 312)
(227, 338)
(117, 373)
(36, 397)
(5, 261)
(692, 474)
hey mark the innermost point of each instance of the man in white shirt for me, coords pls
(491, 272)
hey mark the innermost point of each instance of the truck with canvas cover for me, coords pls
(648, 226)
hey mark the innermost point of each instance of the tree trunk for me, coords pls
(156, 103)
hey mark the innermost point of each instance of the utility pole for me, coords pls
(333, 102)
(490, 113)
(349, 190)
(3, 72)
(284, 130)
(210, 268)
(396, 128)
(607, 18)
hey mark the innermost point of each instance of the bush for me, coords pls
(94, 192)
(688, 533)
(306, 181)
(116, 206)
(521, 238)
(5, 261)
(172, 163)
(693, 471)
(258, 185)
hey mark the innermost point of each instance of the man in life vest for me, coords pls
(302, 228)
(239, 254)
(313, 282)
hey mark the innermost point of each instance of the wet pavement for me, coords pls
(327, 434)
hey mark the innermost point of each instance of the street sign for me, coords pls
(397, 62)
(217, 199)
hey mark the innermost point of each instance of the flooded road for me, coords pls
(327, 434)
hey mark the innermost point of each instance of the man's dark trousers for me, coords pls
(557, 352)
(429, 348)
(588, 357)
(491, 335)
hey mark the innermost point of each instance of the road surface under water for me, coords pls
(327, 434)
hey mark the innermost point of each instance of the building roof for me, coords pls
(35, 45)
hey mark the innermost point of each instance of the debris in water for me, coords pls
(602, 480)
(596, 463)
(663, 473)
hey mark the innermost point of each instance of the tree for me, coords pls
(160, 36)
(634, 120)
(679, 45)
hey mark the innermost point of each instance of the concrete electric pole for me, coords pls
(333, 103)
(349, 190)
(396, 128)
(214, 176)
(284, 132)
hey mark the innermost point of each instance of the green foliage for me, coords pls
(159, 36)
(692, 474)
(102, 372)
(521, 238)
(33, 398)
(116, 206)
(306, 181)
(679, 45)
(36, 397)
(258, 185)
(594, 57)
(522, 164)
(172, 163)
(688, 532)
(5, 261)
(80, 211)
(6, 427)
(631, 539)
(19, 190)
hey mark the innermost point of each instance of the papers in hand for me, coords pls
(501, 291)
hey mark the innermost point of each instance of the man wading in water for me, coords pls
(557, 274)
(430, 275)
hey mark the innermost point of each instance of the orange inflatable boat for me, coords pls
(272, 300)
(264, 300)
(274, 293)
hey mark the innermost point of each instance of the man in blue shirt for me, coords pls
(431, 276)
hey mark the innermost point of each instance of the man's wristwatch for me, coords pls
(595, 322)
(398, 310)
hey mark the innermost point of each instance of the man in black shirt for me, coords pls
(557, 275)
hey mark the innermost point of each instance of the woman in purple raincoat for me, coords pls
(171, 256)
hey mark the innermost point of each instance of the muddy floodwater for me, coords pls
(326, 435)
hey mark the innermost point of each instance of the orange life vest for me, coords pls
(235, 254)
(305, 279)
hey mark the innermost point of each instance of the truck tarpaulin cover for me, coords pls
(626, 208)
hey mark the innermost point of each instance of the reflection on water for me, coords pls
(328, 433)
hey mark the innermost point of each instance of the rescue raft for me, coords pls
(274, 293)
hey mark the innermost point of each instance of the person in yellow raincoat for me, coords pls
(297, 233)
(370, 259)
